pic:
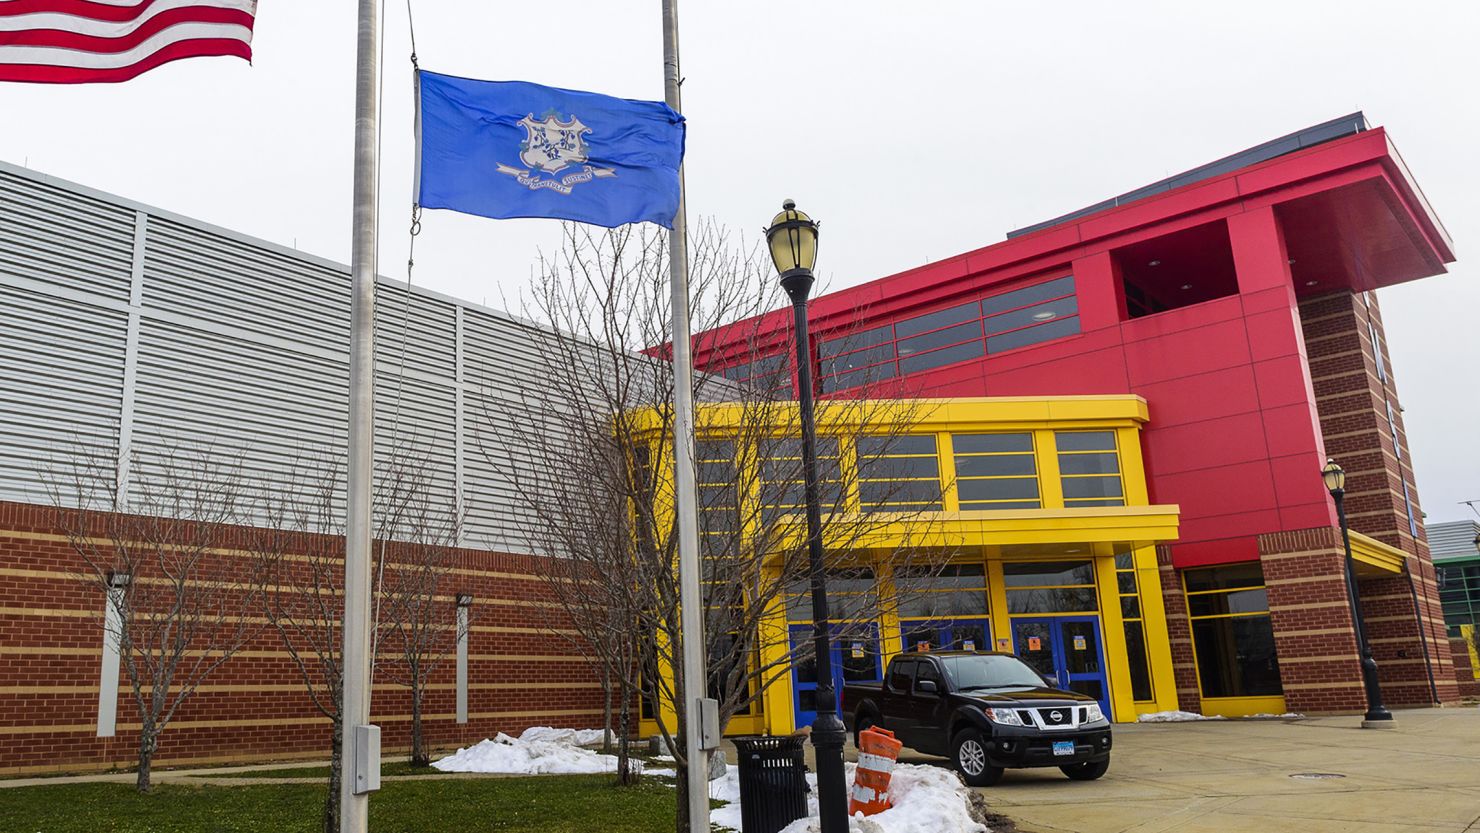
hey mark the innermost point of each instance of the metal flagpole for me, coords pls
(691, 604)
(361, 743)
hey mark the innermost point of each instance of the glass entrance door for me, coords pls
(948, 635)
(1066, 649)
(855, 658)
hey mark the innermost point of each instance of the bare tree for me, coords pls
(593, 470)
(298, 543)
(177, 607)
(414, 636)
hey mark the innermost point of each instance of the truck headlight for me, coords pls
(1005, 717)
(1093, 713)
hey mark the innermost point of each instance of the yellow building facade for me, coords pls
(1040, 506)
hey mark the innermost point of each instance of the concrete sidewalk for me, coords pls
(1265, 777)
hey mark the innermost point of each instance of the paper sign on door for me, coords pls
(1004, 644)
(1035, 644)
(922, 647)
(1080, 644)
(858, 650)
(968, 645)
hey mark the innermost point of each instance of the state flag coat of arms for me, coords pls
(505, 149)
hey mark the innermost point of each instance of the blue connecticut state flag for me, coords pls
(513, 149)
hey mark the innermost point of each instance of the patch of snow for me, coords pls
(521, 756)
(570, 737)
(926, 799)
(1267, 716)
(664, 758)
(1176, 717)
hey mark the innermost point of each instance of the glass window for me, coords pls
(935, 320)
(1048, 573)
(1393, 431)
(1231, 631)
(991, 443)
(851, 594)
(1236, 657)
(1135, 648)
(996, 471)
(857, 378)
(718, 495)
(1047, 331)
(899, 473)
(1376, 352)
(782, 485)
(941, 358)
(1248, 574)
(941, 338)
(849, 342)
(1051, 600)
(956, 591)
(901, 674)
(1032, 316)
(1029, 295)
(1089, 468)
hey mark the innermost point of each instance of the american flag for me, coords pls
(90, 41)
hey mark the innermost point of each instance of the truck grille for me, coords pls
(1055, 717)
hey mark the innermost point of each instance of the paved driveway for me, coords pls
(1236, 777)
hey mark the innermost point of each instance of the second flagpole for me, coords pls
(691, 603)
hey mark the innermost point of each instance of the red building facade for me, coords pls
(1238, 300)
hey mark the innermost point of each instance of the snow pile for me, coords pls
(569, 737)
(1175, 717)
(926, 799)
(521, 756)
(1267, 716)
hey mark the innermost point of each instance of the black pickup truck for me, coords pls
(986, 711)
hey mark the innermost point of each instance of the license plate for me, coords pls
(1063, 747)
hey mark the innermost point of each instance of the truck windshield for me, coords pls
(989, 672)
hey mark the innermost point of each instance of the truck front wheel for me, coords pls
(969, 754)
(861, 724)
(1086, 771)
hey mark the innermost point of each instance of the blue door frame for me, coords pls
(1069, 650)
(855, 658)
(947, 635)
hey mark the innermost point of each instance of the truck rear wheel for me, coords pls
(969, 754)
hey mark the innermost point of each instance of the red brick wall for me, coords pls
(1179, 630)
(1464, 672)
(1308, 608)
(1405, 623)
(522, 671)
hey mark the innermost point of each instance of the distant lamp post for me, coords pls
(1377, 714)
(792, 239)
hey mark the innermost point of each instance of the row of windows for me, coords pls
(1005, 321)
(903, 474)
(1459, 592)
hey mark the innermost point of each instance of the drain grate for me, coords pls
(1316, 776)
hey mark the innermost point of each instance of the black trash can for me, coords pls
(773, 782)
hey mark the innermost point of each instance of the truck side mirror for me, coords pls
(926, 687)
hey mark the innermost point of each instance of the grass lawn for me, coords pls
(389, 768)
(541, 804)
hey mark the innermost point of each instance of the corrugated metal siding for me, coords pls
(242, 348)
(61, 385)
(64, 239)
(1453, 539)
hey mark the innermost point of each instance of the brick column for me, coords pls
(1362, 426)
(1179, 633)
(1308, 607)
(1464, 672)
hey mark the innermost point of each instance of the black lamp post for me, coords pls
(792, 239)
(1377, 714)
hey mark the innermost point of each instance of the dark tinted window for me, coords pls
(901, 674)
(1057, 328)
(1028, 295)
(940, 358)
(991, 443)
(936, 320)
(1047, 573)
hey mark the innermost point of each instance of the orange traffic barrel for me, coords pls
(878, 751)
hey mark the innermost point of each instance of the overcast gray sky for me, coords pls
(914, 131)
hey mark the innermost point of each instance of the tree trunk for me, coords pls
(148, 743)
(625, 775)
(606, 720)
(682, 792)
(336, 775)
(419, 756)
